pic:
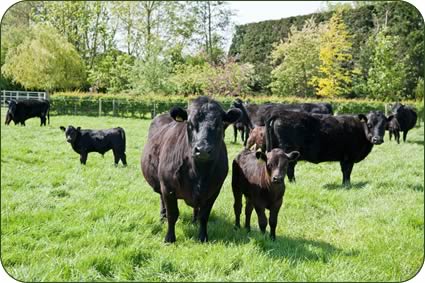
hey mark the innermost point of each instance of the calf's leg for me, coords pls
(124, 159)
(274, 211)
(404, 136)
(162, 211)
(248, 210)
(83, 157)
(346, 168)
(237, 206)
(262, 219)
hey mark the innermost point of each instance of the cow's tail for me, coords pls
(122, 132)
(269, 133)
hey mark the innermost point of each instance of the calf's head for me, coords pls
(374, 124)
(71, 133)
(277, 163)
(205, 120)
(10, 111)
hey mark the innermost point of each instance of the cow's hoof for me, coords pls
(203, 238)
(170, 238)
(273, 237)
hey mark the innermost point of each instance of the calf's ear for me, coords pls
(232, 115)
(362, 118)
(178, 114)
(78, 129)
(261, 156)
(293, 156)
(390, 118)
(62, 128)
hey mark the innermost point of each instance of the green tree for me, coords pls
(297, 60)
(45, 60)
(387, 72)
(335, 71)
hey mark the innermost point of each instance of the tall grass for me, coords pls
(61, 221)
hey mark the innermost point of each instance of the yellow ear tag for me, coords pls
(179, 119)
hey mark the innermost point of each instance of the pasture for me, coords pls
(61, 221)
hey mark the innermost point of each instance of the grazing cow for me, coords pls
(21, 110)
(406, 117)
(260, 178)
(244, 124)
(393, 128)
(187, 159)
(258, 114)
(344, 138)
(85, 141)
(257, 139)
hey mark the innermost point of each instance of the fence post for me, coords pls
(4, 97)
(386, 109)
(100, 107)
(113, 107)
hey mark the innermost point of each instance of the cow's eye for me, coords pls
(369, 125)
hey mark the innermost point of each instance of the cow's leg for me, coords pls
(235, 133)
(245, 132)
(116, 157)
(391, 134)
(162, 211)
(204, 214)
(124, 159)
(404, 136)
(397, 136)
(291, 171)
(237, 206)
(248, 211)
(172, 209)
(195, 214)
(346, 168)
(262, 219)
(274, 211)
(83, 157)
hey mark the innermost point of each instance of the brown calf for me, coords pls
(260, 178)
(257, 139)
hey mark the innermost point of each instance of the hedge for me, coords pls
(149, 106)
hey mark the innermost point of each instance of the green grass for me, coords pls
(61, 221)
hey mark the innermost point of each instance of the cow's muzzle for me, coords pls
(377, 140)
(202, 154)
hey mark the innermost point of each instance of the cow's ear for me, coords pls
(62, 128)
(293, 156)
(178, 114)
(390, 118)
(362, 118)
(232, 115)
(78, 129)
(7, 102)
(261, 156)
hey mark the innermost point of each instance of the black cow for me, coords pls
(244, 124)
(393, 128)
(21, 110)
(259, 113)
(344, 138)
(260, 178)
(406, 117)
(85, 141)
(187, 159)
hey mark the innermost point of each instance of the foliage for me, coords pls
(334, 77)
(65, 222)
(112, 71)
(253, 42)
(45, 60)
(420, 89)
(297, 60)
(387, 72)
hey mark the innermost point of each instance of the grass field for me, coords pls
(61, 221)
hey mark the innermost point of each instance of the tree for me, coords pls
(45, 60)
(335, 71)
(212, 19)
(387, 72)
(297, 60)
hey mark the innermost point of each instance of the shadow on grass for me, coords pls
(299, 249)
(416, 187)
(339, 186)
(418, 142)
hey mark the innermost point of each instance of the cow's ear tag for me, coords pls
(179, 119)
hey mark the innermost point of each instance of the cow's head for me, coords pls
(71, 133)
(10, 111)
(205, 120)
(277, 163)
(374, 124)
